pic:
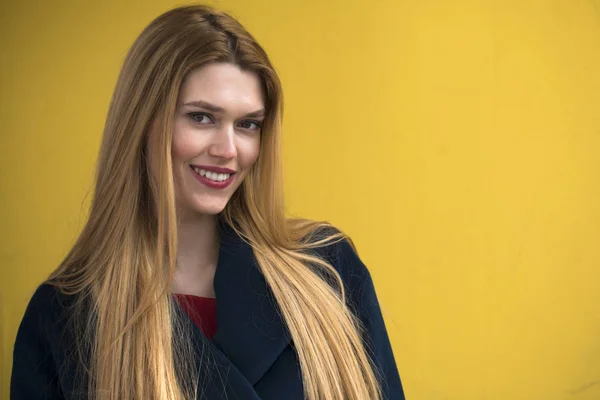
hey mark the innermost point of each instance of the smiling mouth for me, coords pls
(213, 176)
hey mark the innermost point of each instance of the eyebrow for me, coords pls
(216, 109)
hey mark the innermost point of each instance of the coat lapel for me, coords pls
(218, 377)
(250, 334)
(250, 328)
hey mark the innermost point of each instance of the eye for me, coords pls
(250, 125)
(201, 118)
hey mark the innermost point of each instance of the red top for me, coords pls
(201, 310)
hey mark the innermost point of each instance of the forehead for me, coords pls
(224, 85)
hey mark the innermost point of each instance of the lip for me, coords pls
(210, 183)
(214, 169)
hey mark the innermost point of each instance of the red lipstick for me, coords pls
(211, 168)
(209, 178)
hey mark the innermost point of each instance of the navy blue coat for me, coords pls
(252, 351)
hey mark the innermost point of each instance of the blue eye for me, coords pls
(250, 125)
(201, 118)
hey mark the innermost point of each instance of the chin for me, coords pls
(210, 211)
(205, 205)
(212, 208)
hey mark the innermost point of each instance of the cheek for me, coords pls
(248, 152)
(182, 146)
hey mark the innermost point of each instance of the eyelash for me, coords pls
(193, 116)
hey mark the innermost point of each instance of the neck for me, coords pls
(197, 244)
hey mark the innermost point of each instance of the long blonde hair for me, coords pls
(123, 262)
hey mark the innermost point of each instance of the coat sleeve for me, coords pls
(34, 373)
(362, 300)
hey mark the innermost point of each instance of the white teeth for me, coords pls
(213, 176)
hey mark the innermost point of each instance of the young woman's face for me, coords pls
(216, 137)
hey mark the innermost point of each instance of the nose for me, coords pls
(223, 145)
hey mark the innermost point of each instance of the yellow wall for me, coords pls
(458, 142)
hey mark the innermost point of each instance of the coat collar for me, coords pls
(251, 333)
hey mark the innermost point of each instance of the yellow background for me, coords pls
(457, 142)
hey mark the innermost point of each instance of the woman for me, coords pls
(187, 236)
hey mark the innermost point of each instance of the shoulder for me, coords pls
(342, 255)
(46, 295)
(48, 323)
(48, 298)
(47, 311)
